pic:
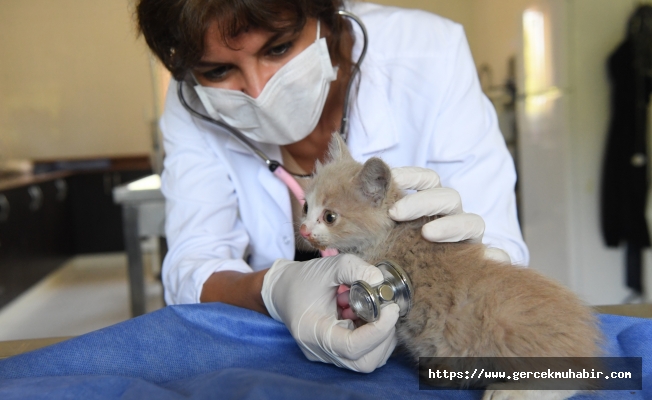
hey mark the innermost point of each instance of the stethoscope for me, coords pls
(275, 166)
(366, 301)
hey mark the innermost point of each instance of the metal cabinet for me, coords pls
(96, 220)
(34, 236)
(43, 224)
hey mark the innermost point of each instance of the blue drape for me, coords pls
(219, 351)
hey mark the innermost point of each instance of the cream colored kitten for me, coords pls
(464, 305)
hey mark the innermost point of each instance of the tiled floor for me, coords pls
(87, 293)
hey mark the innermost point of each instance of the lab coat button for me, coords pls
(286, 240)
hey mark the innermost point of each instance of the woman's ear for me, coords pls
(373, 180)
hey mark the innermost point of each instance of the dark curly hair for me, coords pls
(175, 29)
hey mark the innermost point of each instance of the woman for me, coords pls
(230, 221)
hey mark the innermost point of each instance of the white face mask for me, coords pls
(290, 104)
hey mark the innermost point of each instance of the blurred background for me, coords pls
(79, 100)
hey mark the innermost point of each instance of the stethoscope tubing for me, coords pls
(274, 166)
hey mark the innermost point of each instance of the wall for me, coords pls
(78, 81)
(564, 164)
(597, 27)
(564, 235)
(494, 37)
(491, 26)
(74, 80)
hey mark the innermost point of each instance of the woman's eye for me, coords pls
(305, 208)
(329, 217)
(216, 74)
(280, 50)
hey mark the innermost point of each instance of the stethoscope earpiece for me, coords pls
(366, 301)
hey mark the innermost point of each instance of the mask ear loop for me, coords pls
(194, 79)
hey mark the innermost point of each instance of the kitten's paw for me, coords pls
(497, 394)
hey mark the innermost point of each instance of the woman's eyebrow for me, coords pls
(208, 64)
(267, 44)
(276, 37)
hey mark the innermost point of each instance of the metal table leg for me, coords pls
(135, 259)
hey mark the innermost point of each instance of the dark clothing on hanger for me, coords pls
(624, 178)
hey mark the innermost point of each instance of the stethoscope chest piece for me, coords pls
(366, 301)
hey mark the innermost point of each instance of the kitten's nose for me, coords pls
(304, 231)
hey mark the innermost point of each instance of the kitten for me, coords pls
(464, 305)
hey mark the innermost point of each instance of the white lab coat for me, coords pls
(419, 103)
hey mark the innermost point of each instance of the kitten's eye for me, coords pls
(305, 208)
(329, 217)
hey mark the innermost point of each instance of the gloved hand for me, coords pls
(302, 295)
(432, 199)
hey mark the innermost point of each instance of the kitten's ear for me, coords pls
(337, 149)
(373, 180)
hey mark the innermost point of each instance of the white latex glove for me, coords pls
(432, 199)
(303, 295)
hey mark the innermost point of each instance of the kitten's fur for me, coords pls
(464, 305)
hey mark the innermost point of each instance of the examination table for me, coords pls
(216, 351)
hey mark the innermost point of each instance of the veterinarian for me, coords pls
(278, 71)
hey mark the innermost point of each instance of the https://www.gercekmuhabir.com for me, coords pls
(570, 374)
(543, 373)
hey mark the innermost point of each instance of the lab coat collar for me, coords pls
(272, 185)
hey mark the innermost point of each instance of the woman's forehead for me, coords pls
(230, 26)
(249, 39)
